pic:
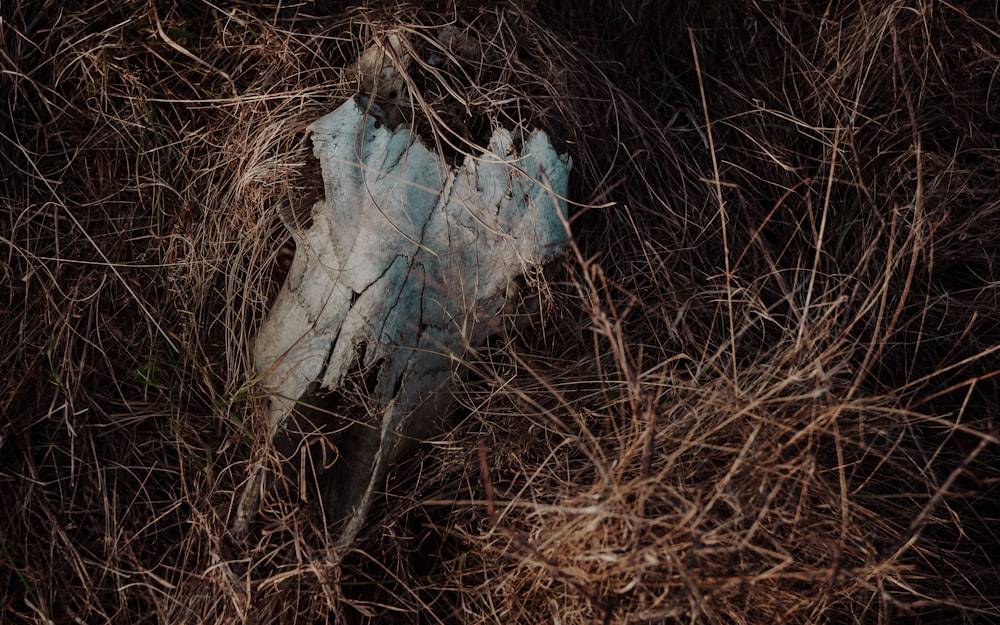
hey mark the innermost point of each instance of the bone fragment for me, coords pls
(407, 265)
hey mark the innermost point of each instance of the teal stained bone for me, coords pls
(404, 268)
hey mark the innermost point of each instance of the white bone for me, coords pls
(405, 267)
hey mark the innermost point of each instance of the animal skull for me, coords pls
(406, 267)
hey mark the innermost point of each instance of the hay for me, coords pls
(761, 389)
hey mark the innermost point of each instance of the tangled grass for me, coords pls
(762, 387)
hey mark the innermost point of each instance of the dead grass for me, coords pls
(763, 387)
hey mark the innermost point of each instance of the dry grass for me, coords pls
(762, 389)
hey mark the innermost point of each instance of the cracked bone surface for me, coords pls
(407, 265)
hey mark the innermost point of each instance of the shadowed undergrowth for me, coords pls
(761, 387)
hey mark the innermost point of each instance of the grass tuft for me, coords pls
(762, 387)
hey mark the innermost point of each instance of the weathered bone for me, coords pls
(382, 68)
(406, 266)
